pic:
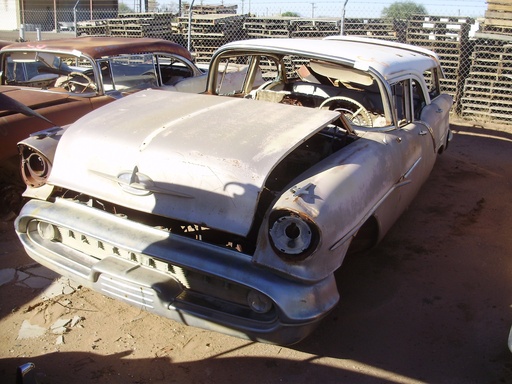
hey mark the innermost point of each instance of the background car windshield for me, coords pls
(40, 69)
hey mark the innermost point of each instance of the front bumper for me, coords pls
(184, 279)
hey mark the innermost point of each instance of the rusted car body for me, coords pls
(233, 209)
(63, 80)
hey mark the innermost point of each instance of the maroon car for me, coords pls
(54, 82)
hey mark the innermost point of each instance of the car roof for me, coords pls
(4, 43)
(98, 47)
(372, 55)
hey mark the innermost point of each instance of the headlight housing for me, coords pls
(292, 236)
(35, 167)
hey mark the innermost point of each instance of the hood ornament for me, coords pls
(139, 184)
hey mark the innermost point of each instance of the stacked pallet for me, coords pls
(156, 25)
(487, 90)
(312, 28)
(267, 27)
(208, 32)
(498, 17)
(373, 28)
(213, 9)
(449, 38)
(91, 28)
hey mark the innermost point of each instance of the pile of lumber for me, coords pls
(449, 37)
(487, 89)
(209, 32)
(375, 28)
(498, 17)
(313, 28)
(141, 25)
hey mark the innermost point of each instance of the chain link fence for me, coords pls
(476, 54)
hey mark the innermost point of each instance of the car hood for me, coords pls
(199, 159)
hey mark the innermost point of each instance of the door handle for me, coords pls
(423, 133)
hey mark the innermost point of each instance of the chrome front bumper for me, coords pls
(171, 275)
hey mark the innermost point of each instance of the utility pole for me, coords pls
(313, 10)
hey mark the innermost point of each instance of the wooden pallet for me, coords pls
(213, 9)
(448, 36)
(487, 90)
(498, 18)
(267, 27)
(373, 28)
(125, 26)
(91, 28)
(309, 28)
(209, 32)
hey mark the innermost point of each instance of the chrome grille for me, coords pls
(96, 250)
(141, 296)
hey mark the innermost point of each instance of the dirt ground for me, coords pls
(431, 304)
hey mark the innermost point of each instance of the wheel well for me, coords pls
(366, 236)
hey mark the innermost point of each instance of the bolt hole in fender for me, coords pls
(354, 111)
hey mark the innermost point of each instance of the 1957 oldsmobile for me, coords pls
(231, 210)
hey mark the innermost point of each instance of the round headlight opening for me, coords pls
(35, 168)
(292, 236)
(37, 165)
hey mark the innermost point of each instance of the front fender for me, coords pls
(44, 142)
(36, 159)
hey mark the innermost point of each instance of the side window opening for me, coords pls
(432, 80)
(231, 75)
(419, 100)
(131, 72)
(409, 100)
(400, 92)
(172, 70)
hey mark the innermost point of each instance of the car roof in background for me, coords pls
(98, 47)
(4, 43)
(385, 58)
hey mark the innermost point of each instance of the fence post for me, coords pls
(190, 25)
(74, 17)
(22, 32)
(342, 26)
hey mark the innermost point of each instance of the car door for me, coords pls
(410, 148)
(435, 116)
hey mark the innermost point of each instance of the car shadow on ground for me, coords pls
(119, 368)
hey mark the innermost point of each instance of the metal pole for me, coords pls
(190, 24)
(74, 17)
(342, 26)
(55, 22)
